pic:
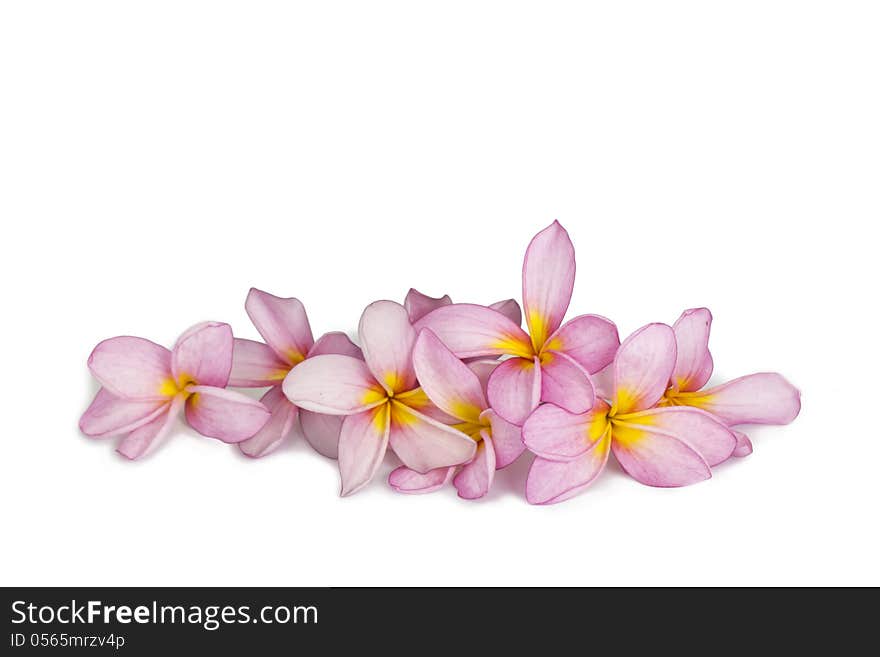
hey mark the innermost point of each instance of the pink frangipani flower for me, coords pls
(666, 447)
(284, 325)
(144, 387)
(457, 389)
(551, 364)
(762, 398)
(418, 305)
(381, 400)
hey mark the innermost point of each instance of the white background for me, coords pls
(157, 159)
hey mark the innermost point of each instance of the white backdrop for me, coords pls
(157, 159)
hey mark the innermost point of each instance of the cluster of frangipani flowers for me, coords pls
(455, 390)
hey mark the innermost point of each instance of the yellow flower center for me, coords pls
(473, 429)
(172, 388)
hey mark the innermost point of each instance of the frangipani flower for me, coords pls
(284, 325)
(554, 363)
(457, 389)
(418, 305)
(144, 387)
(762, 398)
(671, 446)
(381, 400)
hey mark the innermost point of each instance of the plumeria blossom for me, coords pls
(418, 305)
(381, 400)
(284, 325)
(551, 363)
(666, 447)
(458, 389)
(762, 398)
(145, 386)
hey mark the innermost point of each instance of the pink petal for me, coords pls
(276, 429)
(470, 331)
(700, 430)
(109, 415)
(203, 355)
(693, 364)
(603, 382)
(283, 323)
(423, 443)
(548, 279)
(507, 439)
(510, 309)
(763, 398)
(743, 445)
(223, 414)
(139, 441)
(335, 342)
(274, 399)
(362, 444)
(418, 305)
(132, 368)
(642, 368)
(404, 480)
(515, 389)
(550, 482)
(474, 479)
(418, 400)
(448, 382)
(322, 432)
(554, 434)
(387, 340)
(565, 383)
(590, 340)
(657, 458)
(483, 368)
(255, 365)
(339, 385)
